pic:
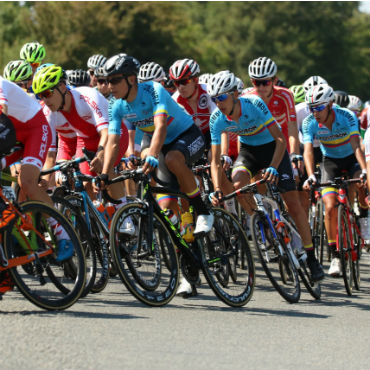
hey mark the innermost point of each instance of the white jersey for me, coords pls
(88, 115)
(21, 106)
(367, 145)
(303, 111)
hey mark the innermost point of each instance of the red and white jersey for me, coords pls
(88, 115)
(21, 107)
(281, 106)
(367, 145)
(205, 107)
(365, 118)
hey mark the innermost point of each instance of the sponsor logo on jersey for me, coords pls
(203, 101)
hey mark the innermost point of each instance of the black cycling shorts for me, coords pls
(256, 158)
(190, 143)
(334, 167)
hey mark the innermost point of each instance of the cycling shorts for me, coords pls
(66, 148)
(255, 158)
(334, 167)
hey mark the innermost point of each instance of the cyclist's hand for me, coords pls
(271, 175)
(43, 184)
(150, 164)
(297, 162)
(101, 182)
(216, 197)
(96, 165)
(363, 176)
(227, 162)
(310, 181)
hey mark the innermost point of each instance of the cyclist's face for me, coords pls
(102, 85)
(54, 98)
(264, 87)
(186, 87)
(226, 105)
(117, 85)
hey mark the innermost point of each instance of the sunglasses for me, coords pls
(45, 94)
(91, 71)
(115, 80)
(318, 108)
(102, 81)
(261, 82)
(183, 82)
(220, 98)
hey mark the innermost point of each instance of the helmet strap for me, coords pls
(63, 98)
(234, 104)
(193, 93)
(129, 89)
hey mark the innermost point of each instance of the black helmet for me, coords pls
(78, 77)
(120, 64)
(341, 98)
(7, 134)
(280, 83)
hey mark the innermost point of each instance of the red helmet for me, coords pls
(184, 68)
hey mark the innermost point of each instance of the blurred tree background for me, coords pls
(330, 39)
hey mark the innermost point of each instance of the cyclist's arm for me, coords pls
(159, 135)
(308, 157)
(225, 143)
(131, 143)
(293, 137)
(216, 166)
(280, 147)
(4, 109)
(355, 142)
(110, 152)
(49, 162)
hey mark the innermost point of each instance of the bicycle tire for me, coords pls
(145, 271)
(222, 251)
(73, 214)
(356, 257)
(344, 244)
(36, 280)
(274, 256)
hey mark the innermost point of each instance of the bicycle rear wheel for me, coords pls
(146, 259)
(45, 282)
(356, 257)
(227, 260)
(345, 249)
(275, 259)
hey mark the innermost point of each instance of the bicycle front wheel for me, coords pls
(227, 260)
(45, 282)
(344, 242)
(275, 259)
(144, 254)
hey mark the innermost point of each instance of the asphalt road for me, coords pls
(112, 330)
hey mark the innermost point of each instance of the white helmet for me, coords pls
(221, 83)
(151, 72)
(184, 68)
(262, 67)
(355, 103)
(319, 94)
(239, 85)
(95, 61)
(204, 78)
(313, 81)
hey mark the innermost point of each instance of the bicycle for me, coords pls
(28, 248)
(148, 262)
(278, 243)
(349, 239)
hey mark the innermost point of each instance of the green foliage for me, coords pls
(330, 39)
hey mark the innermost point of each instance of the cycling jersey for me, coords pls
(252, 128)
(365, 118)
(281, 106)
(205, 107)
(152, 100)
(31, 127)
(334, 143)
(367, 145)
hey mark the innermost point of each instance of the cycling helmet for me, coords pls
(204, 78)
(43, 66)
(319, 94)
(78, 77)
(262, 67)
(298, 93)
(151, 72)
(221, 83)
(239, 85)
(184, 68)
(367, 103)
(33, 52)
(341, 98)
(47, 78)
(313, 81)
(280, 83)
(18, 70)
(355, 103)
(96, 60)
(100, 72)
(125, 65)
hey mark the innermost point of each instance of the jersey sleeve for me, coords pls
(308, 136)
(100, 111)
(3, 93)
(215, 123)
(367, 145)
(159, 96)
(115, 118)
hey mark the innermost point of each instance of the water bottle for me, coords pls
(297, 243)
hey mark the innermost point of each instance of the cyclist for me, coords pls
(34, 53)
(82, 110)
(33, 132)
(341, 98)
(279, 100)
(78, 77)
(19, 72)
(95, 61)
(262, 145)
(151, 71)
(102, 83)
(168, 130)
(337, 130)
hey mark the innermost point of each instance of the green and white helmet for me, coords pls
(17, 71)
(33, 52)
(298, 93)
